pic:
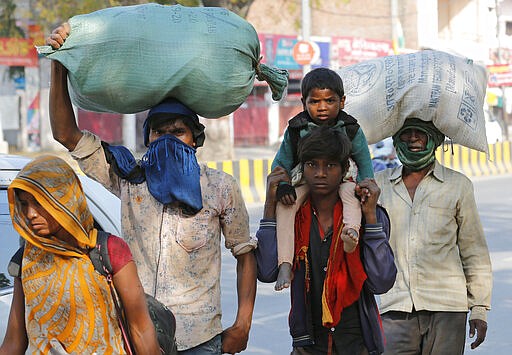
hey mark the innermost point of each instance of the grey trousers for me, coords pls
(424, 332)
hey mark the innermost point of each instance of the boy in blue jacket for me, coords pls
(323, 98)
(333, 308)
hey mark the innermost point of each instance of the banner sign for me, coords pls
(277, 51)
(306, 52)
(352, 50)
(284, 53)
(18, 52)
(499, 75)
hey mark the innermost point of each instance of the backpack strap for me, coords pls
(14, 268)
(101, 262)
(99, 255)
(295, 124)
(351, 125)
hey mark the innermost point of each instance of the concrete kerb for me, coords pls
(252, 165)
(252, 173)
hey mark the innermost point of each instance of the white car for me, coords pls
(105, 207)
(493, 129)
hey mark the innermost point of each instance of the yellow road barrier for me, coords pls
(252, 173)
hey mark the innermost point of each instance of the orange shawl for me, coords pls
(345, 273)
(68, 306)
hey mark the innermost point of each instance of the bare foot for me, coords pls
(350, 239)
(284, 278)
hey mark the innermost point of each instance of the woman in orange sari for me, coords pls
(61, 305)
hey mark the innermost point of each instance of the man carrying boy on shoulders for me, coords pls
(333, 309)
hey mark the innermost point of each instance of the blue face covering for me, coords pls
(172, 173)
(169, 167)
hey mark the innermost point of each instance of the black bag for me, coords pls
(162, 317)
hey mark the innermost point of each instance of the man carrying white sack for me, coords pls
(173, 212)
(443, 263)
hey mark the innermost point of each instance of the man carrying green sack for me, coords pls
(127, 59)
(173, 212)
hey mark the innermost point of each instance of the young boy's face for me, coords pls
(323, 176)
(323, 105)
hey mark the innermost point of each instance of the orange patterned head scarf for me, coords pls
(68, 306)
(56, 187)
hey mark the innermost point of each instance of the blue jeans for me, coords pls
(210, 347)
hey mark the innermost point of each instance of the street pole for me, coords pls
(397, 35)
(130, 131)
(306, 29)
(4, 146)
(498, 29)
(500, 61)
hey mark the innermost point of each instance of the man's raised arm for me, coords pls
(62, 118)
(266, 253)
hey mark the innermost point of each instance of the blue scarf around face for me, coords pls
(171, 172)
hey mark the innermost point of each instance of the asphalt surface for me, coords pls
(269, 332)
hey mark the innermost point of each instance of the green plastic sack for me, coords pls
(127, 59)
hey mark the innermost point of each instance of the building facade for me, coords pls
(344, 32)
(351, 31)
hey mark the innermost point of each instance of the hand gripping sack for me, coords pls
(430, 85)
(127, 59)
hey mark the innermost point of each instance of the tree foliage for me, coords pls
(8, 27)
(50, 13)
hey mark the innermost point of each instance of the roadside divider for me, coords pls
(251, 174)
(476, 164)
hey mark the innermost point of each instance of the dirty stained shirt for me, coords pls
(178, 257)
(439, 244)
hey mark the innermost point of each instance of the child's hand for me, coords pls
(286, 194)
(288, 199)
(369, 193)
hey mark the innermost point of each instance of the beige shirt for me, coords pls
(178, 257)
(439, 245)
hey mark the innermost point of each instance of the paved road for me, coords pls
(269, 333)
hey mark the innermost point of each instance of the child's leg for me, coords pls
(351, 216)
(285, 220)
